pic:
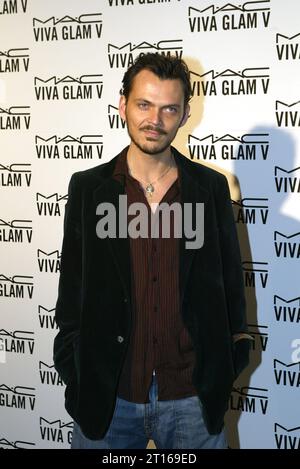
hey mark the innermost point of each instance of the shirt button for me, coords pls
(125, 300)
(120, 339)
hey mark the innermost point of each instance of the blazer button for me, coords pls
(120, 339)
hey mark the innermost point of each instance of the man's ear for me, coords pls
(185, 116)
(122, 107)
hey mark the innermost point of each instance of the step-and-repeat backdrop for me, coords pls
(61, 65)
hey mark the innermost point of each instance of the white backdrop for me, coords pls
(61, 65)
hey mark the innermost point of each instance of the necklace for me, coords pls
(149, 185)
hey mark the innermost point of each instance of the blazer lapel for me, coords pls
(108, 192)
(191, 192)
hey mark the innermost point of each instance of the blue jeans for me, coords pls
(174, 424)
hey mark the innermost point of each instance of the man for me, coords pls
(152, 330)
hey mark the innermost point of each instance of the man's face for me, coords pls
(154, 111)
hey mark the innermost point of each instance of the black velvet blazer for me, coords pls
(93, 309)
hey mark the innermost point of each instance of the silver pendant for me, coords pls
(149, 189)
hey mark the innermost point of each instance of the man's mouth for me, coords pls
(152, 132)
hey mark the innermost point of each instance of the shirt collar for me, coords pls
(121, 172)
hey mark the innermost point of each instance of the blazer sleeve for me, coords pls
(233, 277)
(68, 305)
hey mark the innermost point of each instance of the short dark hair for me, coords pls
(165, 67)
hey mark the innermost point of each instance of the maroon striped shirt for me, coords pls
(159, 341)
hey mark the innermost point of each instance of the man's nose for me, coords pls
(154, 116)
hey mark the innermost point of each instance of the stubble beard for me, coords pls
(149, 149)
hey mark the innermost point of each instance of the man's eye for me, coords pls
(143, 105)
(171, 109)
